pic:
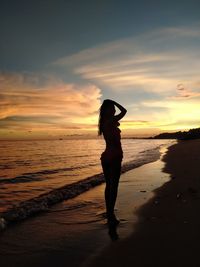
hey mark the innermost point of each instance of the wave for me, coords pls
(35, 176)
(45, 201)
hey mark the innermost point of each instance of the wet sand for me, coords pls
(74, 232)
(167, 232)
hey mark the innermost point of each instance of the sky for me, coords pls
(59, 59)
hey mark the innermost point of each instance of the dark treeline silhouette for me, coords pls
(185, 135)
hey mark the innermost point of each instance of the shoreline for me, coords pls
(43, 202)
(167, 231)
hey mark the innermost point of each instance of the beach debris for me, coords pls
(179, 195)
(156, 202)
(2, 224)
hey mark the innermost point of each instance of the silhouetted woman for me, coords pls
(111, 158)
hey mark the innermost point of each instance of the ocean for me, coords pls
(29, 169)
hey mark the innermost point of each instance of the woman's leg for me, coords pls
(112, 173)
(115, 171)
(106, 171)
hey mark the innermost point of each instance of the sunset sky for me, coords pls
(60, 58)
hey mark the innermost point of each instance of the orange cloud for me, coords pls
(26, 102)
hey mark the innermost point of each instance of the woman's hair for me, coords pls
(103, 112)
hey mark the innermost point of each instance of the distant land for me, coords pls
(185, 135)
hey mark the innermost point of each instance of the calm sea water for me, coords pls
(30, 168)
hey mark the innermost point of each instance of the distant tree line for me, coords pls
(185, 135)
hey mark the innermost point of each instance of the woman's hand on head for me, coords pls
(109, 100)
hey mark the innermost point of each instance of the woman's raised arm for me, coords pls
(122, 109)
